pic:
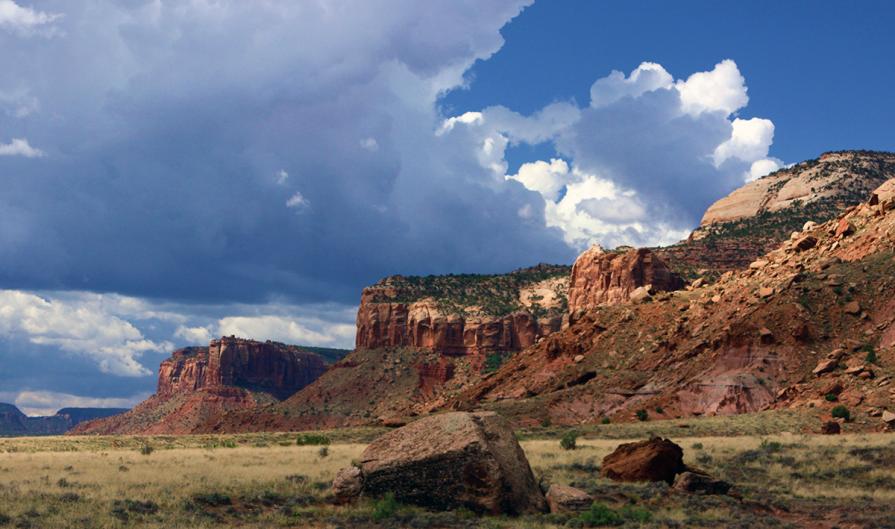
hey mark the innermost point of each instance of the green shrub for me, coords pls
(605, 420)
(871, 357)
(642, 415)
(385, 507)
(146, 449)
(323, 452)
(659, 410)
(697, 446)
(831, 397)
(840, 412)
(599, 515)
(312, 439)
(569, 440)
(229, 443)
(635, 514)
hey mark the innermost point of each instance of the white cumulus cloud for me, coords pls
(721, 89)
(285, 329)
(20, 147)
(25, 20)
(81, 327)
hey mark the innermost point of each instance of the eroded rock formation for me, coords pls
(270, 367)
(609, 278)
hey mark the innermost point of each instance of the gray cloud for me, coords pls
(165, 128)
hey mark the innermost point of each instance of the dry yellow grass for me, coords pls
(84, 482)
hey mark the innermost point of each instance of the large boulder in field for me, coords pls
(454, 460)
(698, 483)
(565, 499)
(656, 459)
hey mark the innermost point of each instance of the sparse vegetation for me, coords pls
(840, 412)
(642, 415)
(312, 439)
(569, 440)
(254, 486)
(492, 294)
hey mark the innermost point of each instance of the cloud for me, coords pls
(647, 77)
(26, 21)
(750, 140)
(297, 200)
(19, 147)
(178, 127)
(642, 161)
(286, 330)
(49, 402)
(194, 335)
(723, 89)
(79, 326)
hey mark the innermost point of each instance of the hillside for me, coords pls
(755, 218)
(812, 318)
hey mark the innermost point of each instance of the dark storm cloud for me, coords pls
(175, 134)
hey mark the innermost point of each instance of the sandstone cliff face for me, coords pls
(423, 325)
(833, 176)
(463, 315)
(608, 278)
(197, 386)
(270, 367)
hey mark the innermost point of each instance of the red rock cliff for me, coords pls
(608, 278)
(271, 367)
(423, 325)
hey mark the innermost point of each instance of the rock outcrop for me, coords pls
(609, 278)
(655, 459)
(847, 177)
(269, 367)
(198, 386)
(449, 461)
(465, 314)
(757, 217)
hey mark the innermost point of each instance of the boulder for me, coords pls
(884, 195)
(453, 460)
(348, 484)
(852, 307)
(888, 417)
(697, 483)
(656, 459)
(641, 294)
(805, 243)
(830, 428)
(564, 499)
(825, 366)
(844, 228)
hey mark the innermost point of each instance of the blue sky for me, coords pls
(173, 171)
(821, 70)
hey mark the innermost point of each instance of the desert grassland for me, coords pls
(266, 480)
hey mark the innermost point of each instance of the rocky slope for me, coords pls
(757, 217)
(405, 376)
(14, 423)
(813, 317)
(197, 385)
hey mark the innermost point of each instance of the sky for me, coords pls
(172, 171)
